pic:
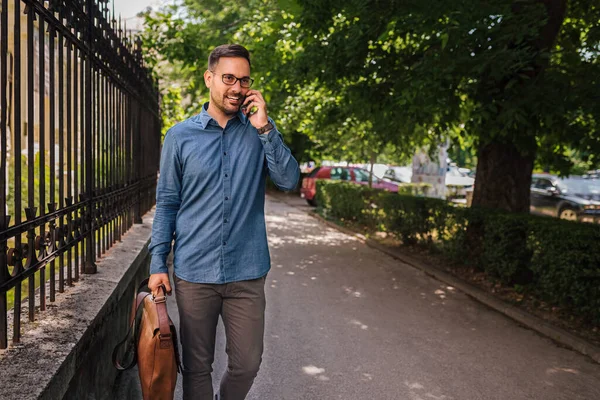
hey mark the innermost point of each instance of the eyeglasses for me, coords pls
(230, 80)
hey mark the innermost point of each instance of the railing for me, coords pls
(80, 135)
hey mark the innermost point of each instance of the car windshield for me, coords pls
(579, 186)
(361, 175)
(313, 173)
(453, 171)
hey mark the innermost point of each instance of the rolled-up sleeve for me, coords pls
(282, 166)
(168, 201)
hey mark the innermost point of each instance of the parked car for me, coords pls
(457, 182)
(378, 169)
(399, 174)
(574, 199)
(308, 190)
(455, 177)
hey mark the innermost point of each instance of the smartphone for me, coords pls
(243, 108)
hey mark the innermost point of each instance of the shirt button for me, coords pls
(224, 243)
(226, 220)
(226, 175)
(226, 198)
(225, 153)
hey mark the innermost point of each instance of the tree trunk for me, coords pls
(504, 173)
(372, 161)
(503, 177)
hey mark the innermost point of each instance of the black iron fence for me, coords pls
(80, 137)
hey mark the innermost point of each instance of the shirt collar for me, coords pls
(204, 118)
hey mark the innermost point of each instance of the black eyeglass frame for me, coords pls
(236, 80)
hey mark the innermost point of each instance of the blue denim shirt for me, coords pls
(210, 198)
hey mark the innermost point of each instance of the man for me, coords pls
(210, 200)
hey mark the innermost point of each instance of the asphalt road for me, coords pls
(345, 321)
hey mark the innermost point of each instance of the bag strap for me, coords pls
(167, 332)
(166, 339)
(130, 339)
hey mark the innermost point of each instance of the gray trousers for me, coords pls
(241, 305)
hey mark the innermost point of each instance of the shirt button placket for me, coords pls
(226, 176)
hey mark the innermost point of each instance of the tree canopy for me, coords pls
(517, 80)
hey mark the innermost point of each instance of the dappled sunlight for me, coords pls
(556, 370)
(444, 291)
(292, 220)
(441, 294)
(349, 290)
(312, 370)
(300, 229)
(419, 392)
(317, 372)
(325, 238)
(359, 324)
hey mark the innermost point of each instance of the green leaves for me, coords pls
(346, 78)
(444, 36)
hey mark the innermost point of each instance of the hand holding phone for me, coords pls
(255, 108)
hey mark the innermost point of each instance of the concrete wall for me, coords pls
(66, 352)
(94, 376)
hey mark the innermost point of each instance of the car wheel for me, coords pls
(312, 202)
(568, 213)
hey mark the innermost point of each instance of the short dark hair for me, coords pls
(227, 50)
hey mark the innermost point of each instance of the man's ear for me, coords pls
(207, 78)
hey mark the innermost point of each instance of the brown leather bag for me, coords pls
(151, 343)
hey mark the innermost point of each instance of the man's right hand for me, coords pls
(156, 280)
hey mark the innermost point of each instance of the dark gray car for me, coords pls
(574, 198)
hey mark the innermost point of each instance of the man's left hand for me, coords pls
(259, 118)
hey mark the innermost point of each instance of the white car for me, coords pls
(399, 174)
(456, 181)
(454, 177)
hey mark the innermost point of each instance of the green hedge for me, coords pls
(557, 260)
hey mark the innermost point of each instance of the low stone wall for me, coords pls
(66, 352)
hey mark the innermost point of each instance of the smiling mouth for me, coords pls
(234, 99)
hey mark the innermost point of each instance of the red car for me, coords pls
(349, 174)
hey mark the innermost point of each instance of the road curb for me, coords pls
(528, 320)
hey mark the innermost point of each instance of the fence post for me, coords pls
(138, 162)
(90, 258)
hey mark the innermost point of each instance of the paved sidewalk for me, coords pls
(346, 321)
(552, 331)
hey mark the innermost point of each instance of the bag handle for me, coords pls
(167, 333)
(164, 327)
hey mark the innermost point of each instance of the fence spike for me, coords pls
(4, 222)
(30, 212)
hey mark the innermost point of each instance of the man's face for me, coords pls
(226, 98)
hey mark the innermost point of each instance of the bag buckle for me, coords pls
(159, 299)
(166, 340)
